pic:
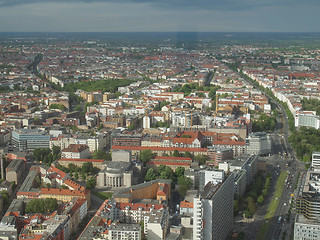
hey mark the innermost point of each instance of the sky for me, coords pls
(159, 15)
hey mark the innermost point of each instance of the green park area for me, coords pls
(103, 195)
(272, 207)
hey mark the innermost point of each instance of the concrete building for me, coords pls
(315, 160)
(146, 122)
(305, 228)
(124, 231)
(5, 136)
(29, 139)
(15, 170)
(246, 162)
(213, 211)
(258, 143)
(214, 176)
(116, 174)
(308, 201)
(121, 156)
(97, 143)
(6, 186)
(240, 182)
(76, 151)
(218, 154)
(307, 119)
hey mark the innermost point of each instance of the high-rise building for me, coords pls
(213, 211)
(307, 221)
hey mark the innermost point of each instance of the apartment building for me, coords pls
(307, 119)
(315, 160)
(76, 151)
(213, 211)
(15, 170)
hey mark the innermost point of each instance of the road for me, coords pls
(284, 160)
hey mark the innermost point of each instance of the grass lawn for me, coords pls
(273, 206)
(103, 195)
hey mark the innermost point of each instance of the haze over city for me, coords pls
(159, 15)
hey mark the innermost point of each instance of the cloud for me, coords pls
(228, 5)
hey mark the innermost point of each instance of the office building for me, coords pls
(30, 139)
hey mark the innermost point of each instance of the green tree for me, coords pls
(188, 154)
(132, 126)
(5, 197)
(161, 168)
(260, 199)
(179, 171)
(91, 183)
(176, 153)
(202, 159)
(251, 207)
(57, 106)
(47, 205)
(87, 167)
(99, 154)
(167, 173)
(184, 184)
(150, 175)
(146, 155)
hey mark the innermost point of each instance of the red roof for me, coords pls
(186, 204)
(172, 158)
(66, 192)
(81, 160)
(160, 148)
(58, 171)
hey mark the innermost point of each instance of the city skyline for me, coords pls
(154, 15)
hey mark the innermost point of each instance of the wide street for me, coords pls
(282, 159)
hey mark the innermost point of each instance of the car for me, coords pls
(285, 204)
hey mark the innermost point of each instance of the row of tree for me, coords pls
(256, 194)
(86, 169)
(147, 155)
(265, 189)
